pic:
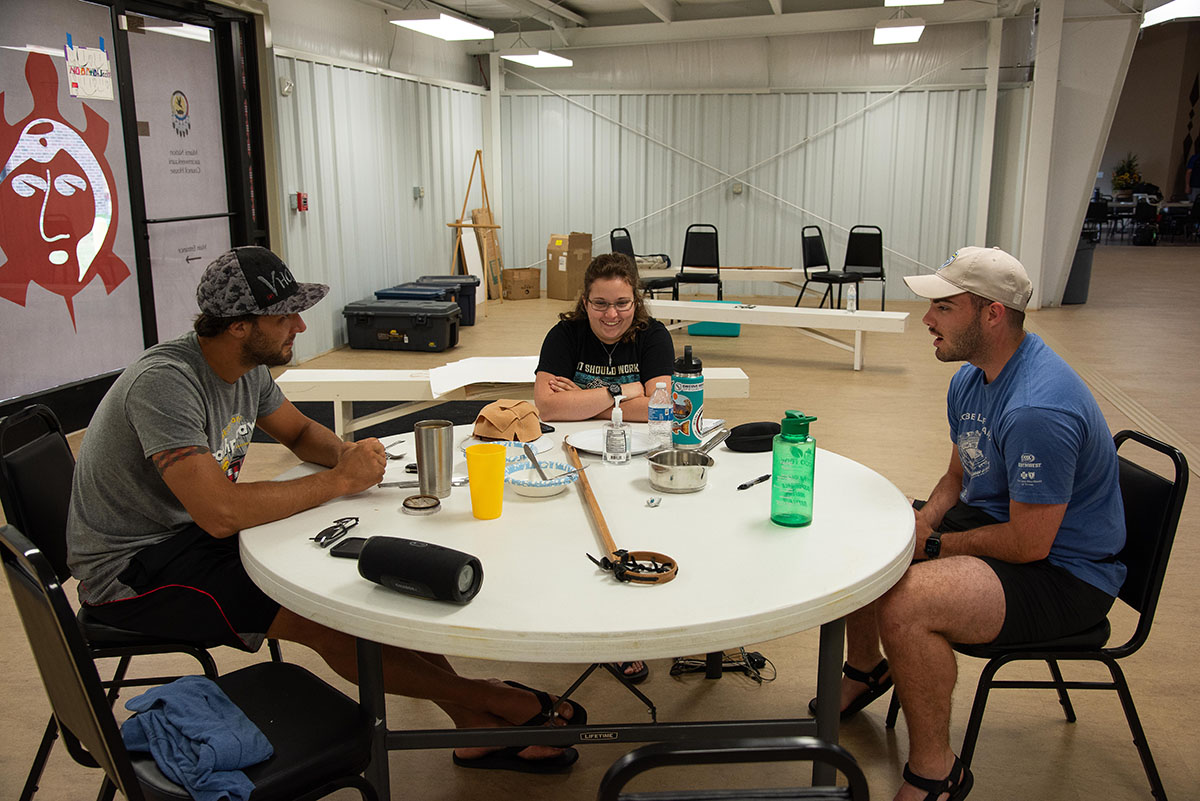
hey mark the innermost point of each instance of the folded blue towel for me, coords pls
(198, 737)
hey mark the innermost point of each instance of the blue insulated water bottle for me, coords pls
(687, 397)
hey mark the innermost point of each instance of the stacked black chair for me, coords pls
(817, 269)
(321, 738)
(725, 752)
(620, 242)
(864, 255)
(1152, 506)
(36, 467)
(700, 249)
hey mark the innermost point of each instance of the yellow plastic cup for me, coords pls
(485, 476)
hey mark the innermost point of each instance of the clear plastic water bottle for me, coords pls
(659, 416)
(852, 298)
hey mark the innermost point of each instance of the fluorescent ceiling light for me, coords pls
(1176, 9)
(443, 26)
(532, 57)
(32, 48)
(182, 30)
(899, 31)
(894, 3)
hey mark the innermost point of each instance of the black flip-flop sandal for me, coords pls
(877, 686)
(956, 787)
(578, 718)
(638, 676)
(509, 758)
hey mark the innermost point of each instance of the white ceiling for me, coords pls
(599, 23)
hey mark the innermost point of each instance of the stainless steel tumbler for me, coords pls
(435, 456)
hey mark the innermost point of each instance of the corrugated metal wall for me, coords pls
(357, 142)
(909, 164)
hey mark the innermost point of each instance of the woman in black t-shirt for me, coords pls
(608, 345)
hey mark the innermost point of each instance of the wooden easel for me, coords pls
(493, 288)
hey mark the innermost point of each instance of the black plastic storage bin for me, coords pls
(466, 292)
(415, 291)
(429, 325)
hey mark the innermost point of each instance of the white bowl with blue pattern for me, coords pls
(524, 479)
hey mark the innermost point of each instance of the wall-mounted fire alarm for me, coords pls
(299, 201)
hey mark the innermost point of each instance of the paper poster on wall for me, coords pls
(58, 207)
(89, 74)
(179, 252)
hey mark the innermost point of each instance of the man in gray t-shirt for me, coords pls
(156, 506)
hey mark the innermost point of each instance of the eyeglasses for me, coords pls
(335, 532)
(622, 305)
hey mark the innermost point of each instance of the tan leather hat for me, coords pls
(513, 420)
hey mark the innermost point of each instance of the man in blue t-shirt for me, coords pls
(1018, 540)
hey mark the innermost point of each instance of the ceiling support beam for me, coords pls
(546, 11)
(661, 9)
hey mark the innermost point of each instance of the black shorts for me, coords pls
(1041, 601)
(193, 588)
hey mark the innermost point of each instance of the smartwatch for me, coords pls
(614, 391)
(933, 545)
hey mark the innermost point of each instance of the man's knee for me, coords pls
(959, 597)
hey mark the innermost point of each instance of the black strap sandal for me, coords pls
(956, 787)
(877, 685)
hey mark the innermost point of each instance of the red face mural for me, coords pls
(58, 213)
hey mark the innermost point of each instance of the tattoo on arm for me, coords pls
(164, 459)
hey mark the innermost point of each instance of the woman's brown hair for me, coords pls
(612, 265)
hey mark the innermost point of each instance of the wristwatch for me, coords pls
(614, 391)
(933, 545)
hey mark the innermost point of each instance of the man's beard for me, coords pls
(258, 350)
(966, 346)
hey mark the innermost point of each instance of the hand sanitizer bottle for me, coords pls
(793, 465)
(616, 437)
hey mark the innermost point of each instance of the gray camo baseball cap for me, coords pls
(253, 280)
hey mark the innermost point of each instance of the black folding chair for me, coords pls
(1152, 506)
(36, 467)
(700, 249)
(864, 255)
(620, 242)
(321, 738)
(812, 249)
(734, 751)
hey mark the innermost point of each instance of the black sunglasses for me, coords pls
(335, 532)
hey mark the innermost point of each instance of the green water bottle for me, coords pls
(793, 462)
(687, 398)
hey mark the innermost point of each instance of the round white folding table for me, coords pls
(742, 579)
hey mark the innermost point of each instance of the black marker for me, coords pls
(754, 481)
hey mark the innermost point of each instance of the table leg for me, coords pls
(829, 682)
(370, 696)
(343, 413)
(858, 350)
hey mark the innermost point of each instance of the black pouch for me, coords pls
(752, 437)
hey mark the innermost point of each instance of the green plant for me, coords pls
(1125, 175)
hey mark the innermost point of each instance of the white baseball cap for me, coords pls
(988, 272)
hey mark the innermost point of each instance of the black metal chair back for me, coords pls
(320, 745)
(64, 662)
(619, 241)
(735, 751)
(36, 467)
(700, 249)
(812, 249)
(1152, 507)
(864, 255)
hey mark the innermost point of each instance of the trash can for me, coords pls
(1080, 277)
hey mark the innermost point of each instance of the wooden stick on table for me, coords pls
(642, 567)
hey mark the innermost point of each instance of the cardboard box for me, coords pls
(567, 258)
(522, 283)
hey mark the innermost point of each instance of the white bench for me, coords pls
(343, 387)
(804, 319)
